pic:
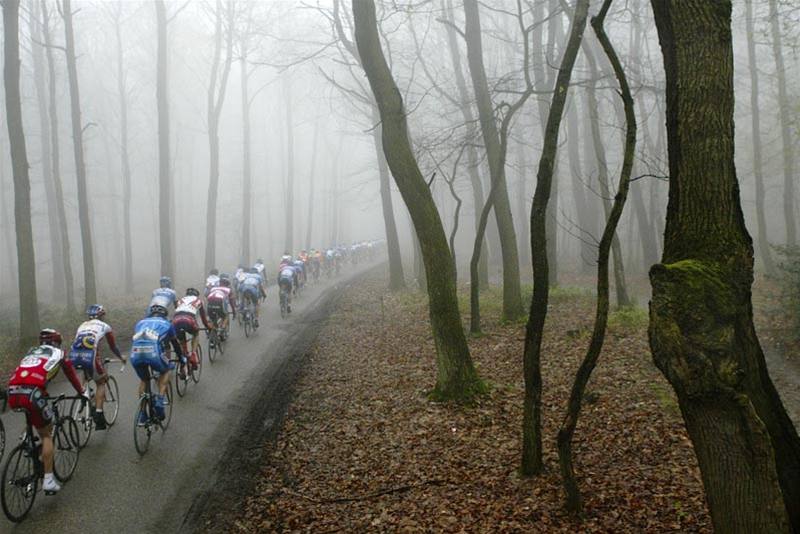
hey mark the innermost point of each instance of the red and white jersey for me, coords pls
(38, 367)
(219, 293)
(189, 304)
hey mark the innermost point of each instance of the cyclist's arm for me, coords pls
(176, 345)
(204, 317)
(232, 300)
(72, 376)
(112, 344)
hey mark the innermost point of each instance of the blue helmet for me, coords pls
(95, 311)
(166, 281)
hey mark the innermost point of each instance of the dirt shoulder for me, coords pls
(362, 449)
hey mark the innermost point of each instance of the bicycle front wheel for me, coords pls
(81, 413)
(167, 408)
(111, 405)
(247, 326)
(65, 459)
(19, 483)
(199, 371)
(141, 427)
(213, 343)
(2, 440)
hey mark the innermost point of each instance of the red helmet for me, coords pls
(51, 337)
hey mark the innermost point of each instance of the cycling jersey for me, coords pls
(189, 307)
(212, 281)
(150, 340)
(260, 268)
(164, 296)
(221, 296)
(85, 350)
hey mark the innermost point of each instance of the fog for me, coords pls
(312, 123)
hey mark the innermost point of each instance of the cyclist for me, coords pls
(300, 274)
(185, 321)
(150, 339)
(259, 266)
(251, 290)
(85, 354)
(220, 299)
(212, 281)
(27, 390)
(287, 277)
(164, 295)
(316, 260)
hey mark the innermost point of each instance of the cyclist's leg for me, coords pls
(46, 433)
(100, 378)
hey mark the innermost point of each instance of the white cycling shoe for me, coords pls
(50, 486)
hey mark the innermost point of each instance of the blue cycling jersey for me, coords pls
(164, 296)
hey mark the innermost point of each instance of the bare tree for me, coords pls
(456, 377)
(701, 315)
(289, 199)
(164, 175)
(26, 261)
(90, 288)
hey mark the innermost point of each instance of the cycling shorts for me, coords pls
(143, 360)
(250, 293)
(88, 360)
(286, 283)
(185, 323)
(30, 399)
(217, 309)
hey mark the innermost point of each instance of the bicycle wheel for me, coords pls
(111, 406)
(221, 340)
(141, 433)
(199, 371)
(167, 408)
(65, 458)
(247, 326)
(2, 440)
(283, 305)
(213, 343)
(19, 483)
(81, 413)
(181, 383)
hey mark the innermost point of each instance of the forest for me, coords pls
(443, 265)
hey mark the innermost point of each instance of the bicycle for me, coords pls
(142, 431)
(24, 469)
(190, 371)
(248, 319)
(216, 340)
(284, 298)
(83, 411)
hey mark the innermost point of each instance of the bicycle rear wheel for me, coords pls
(81, 413)
(141, 432)
(65, 458)
(247, 326)
(111, 405)
(2, 440)
(19, 483)
(199, 371)
(181, 384)
(167, 408)
(213, 346)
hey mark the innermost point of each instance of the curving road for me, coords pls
(113, 489)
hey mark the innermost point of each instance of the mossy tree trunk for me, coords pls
(512, 296)
(701, 316)
(532, 404)
(26, 262)
(456, 375)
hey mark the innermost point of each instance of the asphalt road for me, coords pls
(114, 490)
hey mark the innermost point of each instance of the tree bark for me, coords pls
(456, 376)
(532, 409)
(55, 152)
(247, 175)
(758, 169)
(311, 173)
(46, 157)
(512, 298)
(26, 261)
(585, 215)
(701, 316)
(289, 239)
(785, 112)
(574, 502)
(216, 97)
(90, 289)
(167, 252)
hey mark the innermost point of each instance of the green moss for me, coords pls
(628, 317)
(465, 396)
(665, 397)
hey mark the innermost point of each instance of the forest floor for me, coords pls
(362, 448)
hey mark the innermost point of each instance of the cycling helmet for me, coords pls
(224, 282)
(51, 337)
(213, 272)
(157, 310)
(252, 270)
(224, 276)
(95, 311)
(259, 260)
(193, 292)
(286, 257)
(166, 281)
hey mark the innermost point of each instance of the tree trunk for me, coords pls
(56, 162)
(473, 161)
(216, 97)
(164, 178)
(46, 157)
(247, 175)
(456, 376)
(90, 289)
(574, 502)
(602, 174)
(762, 243)
(585, 217)
(532, 409)
(512, 299)
(785, 112)
(311, 172)
(522, 209)
(26, 261)
(701, 316)
(124, 155)
(289, 243)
